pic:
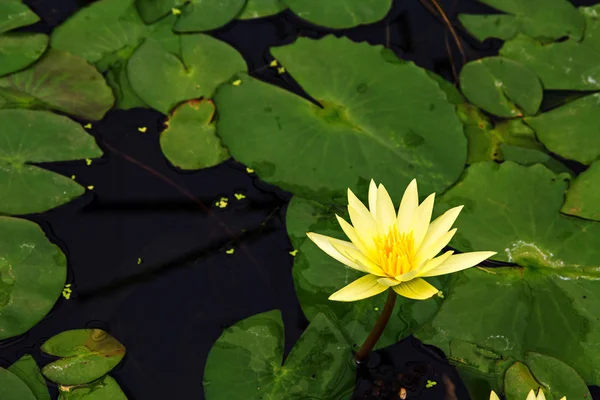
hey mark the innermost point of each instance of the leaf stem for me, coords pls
(375, 334)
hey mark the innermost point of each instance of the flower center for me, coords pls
(396, 252)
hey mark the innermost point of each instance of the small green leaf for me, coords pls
(87, 354)
(252, 350)
(190, 141)
(261, 8)
(32, 275)
(17, 51)
(340, 14)
(519, 381)
(501, 86)
(501, 26)
(583, 197)
(557, 378)
(28, 371)
(206, 15)
(58, 81)
(14, 14)
(13, 388)
(106, 388)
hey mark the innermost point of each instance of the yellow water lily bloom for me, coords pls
(395, 249)
(530, 396)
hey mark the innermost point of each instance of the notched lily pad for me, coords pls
(190, 140)
(252, 352)
(340, 14)
(32, 275)
(105, 388)
(17, 51)
(583, 197)
(87, 354)
(28, 371)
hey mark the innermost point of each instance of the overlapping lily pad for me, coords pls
(87, 355)
(17, 51)
(162, 80)
(376, 119)
(206, 15)
(153, 10)
(190, 141)
(28, 371)
(35, 137)
(13, 388)
(246, 362)
(14, 14)
(317, 276)
(340, 14)
(571, 130)
(105, 388)
(58, 81)
(583, 197)
(501, 86)
(501, 26)
(32, 276)
(261, 8)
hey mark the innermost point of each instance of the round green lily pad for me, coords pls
(13, 388)
(28, 371)
(261, 8)
(190, 141)
(377, 119)
(14, 14)
(206, 15)
(33, 137)
(583, 197)
(501, 86)
(58, 81)
(518, 382)
(340, 14)
(557, 378)
(17, 51)
(106, 388)
(319, 364)
(32, 276)
(87, 355)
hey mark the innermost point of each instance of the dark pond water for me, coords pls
(169, 309)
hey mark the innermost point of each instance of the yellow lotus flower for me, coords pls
(395, 250)
(530, 396)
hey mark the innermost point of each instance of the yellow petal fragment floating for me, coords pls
(175, 11)
(293, 253)
(230, 251)
(66, 292)
(142, 129)
(280, 70)
(396, 248)
(237, 82)
(273, 63)
(222, 203)
(249, 170)
(88, 161)
(88, 126)
(239, 196)
(91, 187)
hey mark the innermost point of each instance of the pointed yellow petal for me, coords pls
(563, 398)
(352, 253)
(361, 288)
(364, 226)
(531, 395)
(353, 236)
(386, 214)
(441, 225)
(426, 253)
(373, 198)
(458, 262)
(421, 218)
(494, 396)
(540, 395)
(430, 265)
(408, 206)
(388, 282)
(323, 243)
(358, 205)
(417, 289)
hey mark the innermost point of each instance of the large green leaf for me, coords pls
(14, 14)
(17, 51)
(162, 80)
(501, 26)
(261, 8)
(32, 275)
(13, 388)
(106, 388)
(206, 15)
(28, 371)
(374, 119)
(317, 276)
(190, 141)
(340, 14)
(58, 81)
(87, 354)
(501, 86)
(571, 130)
(543, 19)
(583, 197)
(33, 137)
(319, 366)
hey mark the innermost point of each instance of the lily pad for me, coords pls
(106, 388)
(252, 351)
(153, 10)
(501, 26)
(28, 371)
(501, 86)
(340, 14)
(190, 141)
(261, 8)
(518, 382)
(34, 137)
(13, 388)
(87, 354)
(58, 81)
(17, 51)
(571, 130)
(162, 80)
(543, 19)
(361, 128)
(125, 96)
(32, 276)
(206, 15)
(583, 196)
(317, 276)
(14, 14)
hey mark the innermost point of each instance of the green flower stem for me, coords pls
(375, 334)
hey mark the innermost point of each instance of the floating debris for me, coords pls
(222, 203)
(142, 129)
(293, 253)
(73, 177)
(88, 126)
(280, 70)
(66, 292)
(430, 384)
(237, 82)
(239, 196)
(88, 161)
(273, 63)
(230, 251)
(91, 187)
(249, 170)
(139, 261)
(175, 11)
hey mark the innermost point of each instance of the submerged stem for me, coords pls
(375, 334)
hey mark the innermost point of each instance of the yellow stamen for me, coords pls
(395, 251)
